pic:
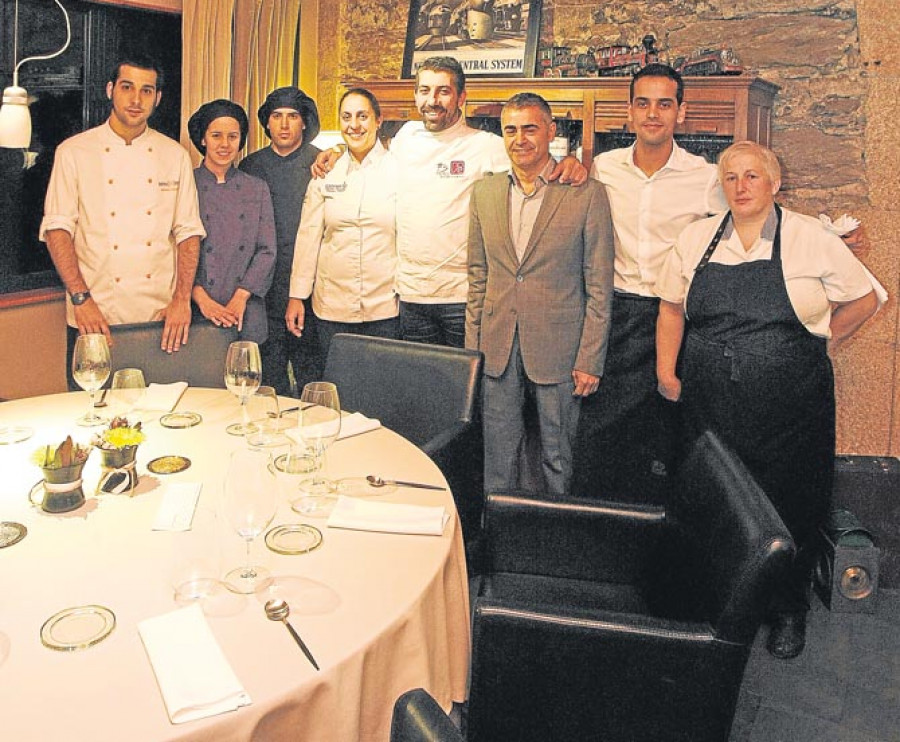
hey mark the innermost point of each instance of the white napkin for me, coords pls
(162, 397)
(367, 515)
(176, 511)
(842, 225)
(193, 674)
(352, 424)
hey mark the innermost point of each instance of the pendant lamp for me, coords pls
(15, 120)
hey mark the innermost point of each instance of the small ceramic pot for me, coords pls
(62, 489)
(119, 473)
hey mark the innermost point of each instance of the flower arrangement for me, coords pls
(119, 434)
(66, 455)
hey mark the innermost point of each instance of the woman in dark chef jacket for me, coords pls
(237, 258)
(766, 291)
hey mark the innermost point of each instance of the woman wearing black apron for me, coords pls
(766, 290)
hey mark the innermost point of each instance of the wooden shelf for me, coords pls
(731, 107)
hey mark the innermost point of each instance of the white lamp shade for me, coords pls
(15, 120)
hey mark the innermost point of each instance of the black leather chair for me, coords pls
(201, 362)
(418, 718)
(429, 394)
(600, 621)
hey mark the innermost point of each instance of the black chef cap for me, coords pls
(209, 112)
(291, 97)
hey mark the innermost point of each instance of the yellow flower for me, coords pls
(122, 437)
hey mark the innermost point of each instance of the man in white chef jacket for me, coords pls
(121, 219)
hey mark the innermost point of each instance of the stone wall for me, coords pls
(835, 127)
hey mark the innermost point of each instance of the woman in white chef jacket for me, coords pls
(345, 255)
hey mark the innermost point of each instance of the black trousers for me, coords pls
(627, 433)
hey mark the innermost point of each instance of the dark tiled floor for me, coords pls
(845, 687)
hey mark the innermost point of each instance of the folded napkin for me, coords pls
(841, 226)
(194, 676)
(352, 424)
(366, 515)
(162, 397)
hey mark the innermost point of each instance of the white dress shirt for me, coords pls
(126, 207)
(649, 212)
(437, 172)
(346, 254)
(818, 267)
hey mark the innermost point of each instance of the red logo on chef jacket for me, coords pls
(455, 168)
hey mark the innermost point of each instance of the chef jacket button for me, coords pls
(241, 248)
(150, 180)
(149, 213)
(148, 243)
(115, 247)
(110, 181)
(148, 275)
(107, 149)
(240, 216)
(118, 279)
(149, 149)
(112, 213)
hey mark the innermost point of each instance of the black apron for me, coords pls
(756, 376)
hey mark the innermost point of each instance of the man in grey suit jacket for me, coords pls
(540, 297)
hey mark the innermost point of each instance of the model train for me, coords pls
(558, 61)
(617, 60)
(721, 61)
(620, 60)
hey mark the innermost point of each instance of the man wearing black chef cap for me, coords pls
(291, 120)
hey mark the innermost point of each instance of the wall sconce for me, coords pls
(15, 120)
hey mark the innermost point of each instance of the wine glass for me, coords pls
(90, 369)
(243, 373)
(127, 389)
(264, 414)
(249, 505)
(319, 426)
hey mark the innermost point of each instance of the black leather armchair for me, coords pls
(429, 394)
(201, 362)
(418, 718)
(598, 621)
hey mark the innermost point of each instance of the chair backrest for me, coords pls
(418, 718)
(201, 362)
(417, 390)
(730, 543)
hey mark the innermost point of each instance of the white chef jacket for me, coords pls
(437, 172)
(345, 253)
(818, 267)
(126, 207)
(649, 213)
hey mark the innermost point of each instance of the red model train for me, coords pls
(721, 61)
(620, 60)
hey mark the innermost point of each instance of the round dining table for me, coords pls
(382, 613)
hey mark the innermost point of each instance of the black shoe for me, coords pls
(787, 636)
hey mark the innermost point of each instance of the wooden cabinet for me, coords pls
(593, 111)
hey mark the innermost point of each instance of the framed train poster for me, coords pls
(490, 38)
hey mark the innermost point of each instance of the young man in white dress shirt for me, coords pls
(121, 219)
(655, 188)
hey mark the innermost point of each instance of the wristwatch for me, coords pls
(80, 297)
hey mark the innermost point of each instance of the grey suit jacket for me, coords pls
(559, 297)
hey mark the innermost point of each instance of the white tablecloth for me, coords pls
(385, 613)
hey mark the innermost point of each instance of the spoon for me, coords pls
(379, 482)
(278, 610)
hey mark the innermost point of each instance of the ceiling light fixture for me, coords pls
(15, 120)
